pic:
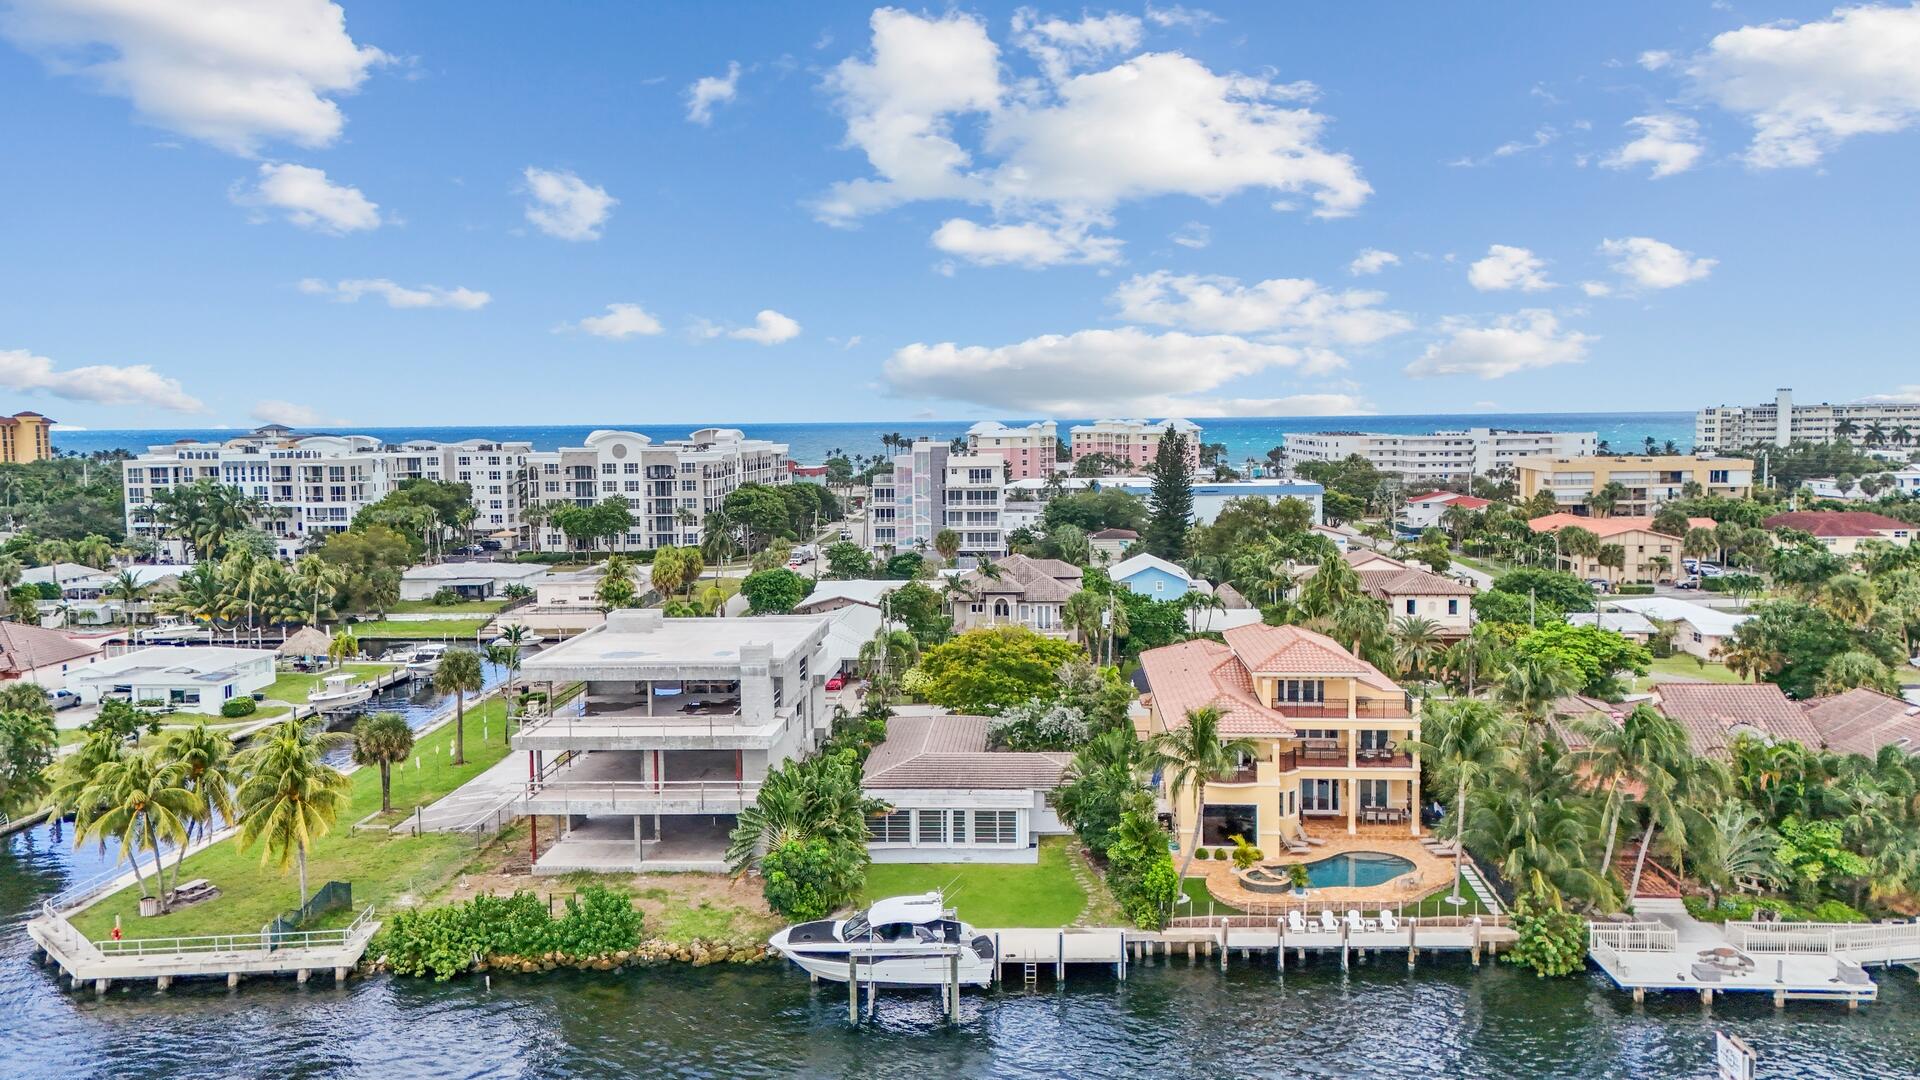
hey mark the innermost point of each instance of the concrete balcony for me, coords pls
(639, 796)
(635, 729)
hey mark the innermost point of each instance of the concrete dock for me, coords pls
(228, 956)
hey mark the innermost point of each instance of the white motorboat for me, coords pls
(174, 632)
(899, 941)
(338, 692)
(423, 659)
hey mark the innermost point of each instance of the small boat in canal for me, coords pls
(899, 941)
(423, 659)
(337, 692)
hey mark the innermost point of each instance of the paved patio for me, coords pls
(1430, 872)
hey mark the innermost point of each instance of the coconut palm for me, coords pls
(1198, 600)
(1674, 786)
(505, 652)
(1535, 818)
(382, 740)
(946, 543)
(887, 656)
(1081, 614)
(138, 800)
(1464, 741)
(316, 578)
(1416, 643)
(205, 759)
(1531, 684)
(459, 673)
(1190, 756)
(288, 796)
(1617, 755)
(1474, 655)
(127, 588)
(342, 646)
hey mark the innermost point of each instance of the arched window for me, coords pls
(1001, 609)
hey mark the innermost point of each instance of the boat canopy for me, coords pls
(923, 908)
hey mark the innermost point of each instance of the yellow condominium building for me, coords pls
(1649, 481)
(1329, 731)
(24, 437)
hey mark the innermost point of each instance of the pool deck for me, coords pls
(1430, 872)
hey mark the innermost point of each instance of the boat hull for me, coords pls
(929, 970)
(330, 702)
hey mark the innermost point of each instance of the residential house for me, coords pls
(1423, 512)
(955, 800)
(1154, 577)
(1715, 715)
(1329, 733)
(1901, 481)
(1698, 629)
(1111, 544)
(1650, 556)
(1649, 482)
(194, 678)
(1414, 592)
(833, 595)
(1843, 531)
(472, 580)
(1628, 624)
(1862, 721)
(36, 654)
(1019, 591)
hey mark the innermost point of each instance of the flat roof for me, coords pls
(641, 638)
(197, 663)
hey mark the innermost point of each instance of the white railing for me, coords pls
(1894, 940)
(722, 796)
(1634, 937)
(264, 941)
(91, 887)
(641, 724)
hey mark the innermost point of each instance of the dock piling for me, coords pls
(853, 990)
(953, 987)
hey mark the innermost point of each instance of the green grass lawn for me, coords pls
(420, 629)
(465, 607)
(380, 867)
(996, 895)
(1686, 666)
(293, 686)
(1196, 889)
(1203, 903)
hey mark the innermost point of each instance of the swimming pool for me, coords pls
(1347, 870)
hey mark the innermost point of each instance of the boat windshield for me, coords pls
(855, 928)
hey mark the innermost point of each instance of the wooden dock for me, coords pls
(229, 956)
(1789, 961)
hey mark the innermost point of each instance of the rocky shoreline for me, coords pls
(651, 953)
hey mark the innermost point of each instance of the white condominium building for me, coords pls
(1440, 455)
(1030, 452)
(315, 484)
(1732, 427)
(671, 486)
(932, 489)
(1132, 441)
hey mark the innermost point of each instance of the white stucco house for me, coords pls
(953, 799)
(196, 679)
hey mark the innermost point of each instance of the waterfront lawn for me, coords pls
(382, 868)
(292, 687)
(465, 607)
(1684, 666)
(993, 895)
(1203, 901)
(419, 629)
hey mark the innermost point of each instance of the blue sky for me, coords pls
(507, 213)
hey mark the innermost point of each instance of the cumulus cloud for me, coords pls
(1596, 288)
(710, 91)
(234, 75)
(397, 295)
(275, 411)
(566, 206)
(100, 384)
(1192, 235)
(1029, 244)
(769, 328)
(1296, 311)
(1806, 88)
(1507, 267)
(621, 321)
(308, 199)
(1909, 392)
(1651, 264)
(1655, 59)
(1671, 144)
(1072, 145)
(1372, 261)
(1525, 341)
(1091, 372)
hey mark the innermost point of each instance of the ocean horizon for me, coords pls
(810, 442)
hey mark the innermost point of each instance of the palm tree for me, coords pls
(1876, 434)
(1605, 501)
(1531, 684)
(1674, 787)
(1535, 816)
(1465, 741)
(1733, 846)
(1191, 755)
(1612, 557)
(205, 760)
(288, 795)
(127, 588)
(505, 652)
(1198, 600)
(1416, 643)
(316, 577)
(1081, 614)
(887, 655)
(385, 740)
(459, 673)
(816, 798)
(946, 542)
(1619, 754)
(1478, 652)
(342, 646)
(139, 801)
(1845, 427)
(28, 745)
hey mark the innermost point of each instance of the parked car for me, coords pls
(836, 682)
(490, 545)
(63, 699)
(1600, 585)
(1707, 569)
(1691, 581)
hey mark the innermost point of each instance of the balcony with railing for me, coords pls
(1337, 709)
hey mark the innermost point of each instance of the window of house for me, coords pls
(894, 828)
(996, 826)
(1453, 607)
(960, 827)
(933, 826)
(1410, 606)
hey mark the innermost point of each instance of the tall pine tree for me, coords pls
(1170, 503)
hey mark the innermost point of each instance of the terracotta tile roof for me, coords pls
(1410, 581)
(1578, 706)
(1292, 650)
(932, 752)
(1604, 527)
(1714, 714)
(1862, 721)
(1837, 522)
(23, 648)
(1114, 534)
(1452, 498)
(1200, 673)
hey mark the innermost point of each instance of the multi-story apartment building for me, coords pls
(1648, 557)
(1733, 427)
(25, 437)
(1027, 497)
(1650, 482)
(681, 721)
(1031, 452)
(671, 486)
(1330, 733)
(932, 489)
(1132, 441)
(314, 484)
(1439, 456)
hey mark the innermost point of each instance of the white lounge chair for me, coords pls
(1355, 924)
(1388, 921)
(1296, 924)
(1328, 922)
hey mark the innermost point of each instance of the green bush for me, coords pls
(235, 708)
(1748, 908)
(1551, 940)
(803, 877)
(445, 941)
(546, 558)
(1633, 589)
(1202, 854)
(1222, 854)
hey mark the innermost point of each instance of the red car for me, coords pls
(836, 682)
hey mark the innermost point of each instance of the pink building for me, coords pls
(1133, 441)
(1029, 451)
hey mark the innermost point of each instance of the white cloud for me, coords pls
(1667, 142)
(1061, 46)
(1071, 147)
(309, 199)
(1526, 341)
(1372, 261)
(1655, 59)
(1091, 372)
(1031, 245)
(712, 90)
(1192, 235)
(275, 411)
(1806, 88)
(1910, 392)
(397, 295)
(621, 322)
(1650, 264)
(1508, 267)
(1195, 19)
(99, 384)
(769, 328)
(1292, 310)
(232, 74)
(566, 206)
(1596, 288)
